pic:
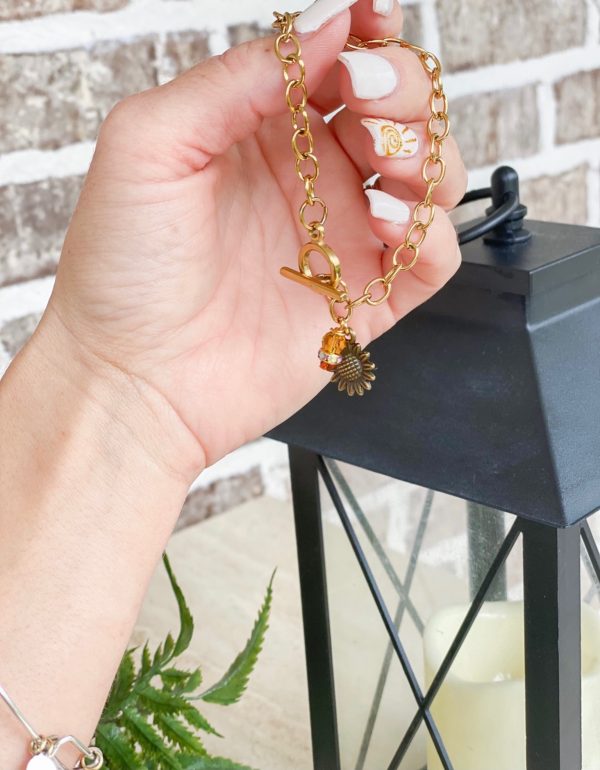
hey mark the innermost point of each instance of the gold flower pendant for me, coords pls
(352, 368)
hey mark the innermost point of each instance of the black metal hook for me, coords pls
(504, 221)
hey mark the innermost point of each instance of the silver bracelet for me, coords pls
(44, 749)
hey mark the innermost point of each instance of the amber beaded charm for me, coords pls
(352, 368)
(332, 347)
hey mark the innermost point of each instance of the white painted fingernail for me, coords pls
(383, 7)
(372, 76)
(390, 139)
(319, 13)
(385, 206)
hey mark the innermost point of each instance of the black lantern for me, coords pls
(488, 398)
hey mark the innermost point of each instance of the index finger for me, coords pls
(370, 20)
(386, 82)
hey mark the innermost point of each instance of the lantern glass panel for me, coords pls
(590, 582)
(590, 645)
(429, 554)
(373, 709)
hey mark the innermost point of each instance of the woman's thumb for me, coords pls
(224, 99)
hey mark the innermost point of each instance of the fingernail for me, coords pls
(390, 139)
(385, 206)
(383, 7)
(372, 76)
(319, 13)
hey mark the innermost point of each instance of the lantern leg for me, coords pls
(315, 608)
(551, 571)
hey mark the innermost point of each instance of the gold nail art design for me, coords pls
(391, 140)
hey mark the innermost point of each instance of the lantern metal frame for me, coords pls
(499, 375)
(552, 603)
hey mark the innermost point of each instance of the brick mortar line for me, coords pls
(218, 41)
(548, 69)
(561, 159)
(547, 115)
(25, 166)
(20, 299)
(430, 26)
(593, 16)
(65, 31)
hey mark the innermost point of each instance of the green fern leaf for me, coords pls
(117, 749)
(194, 681)
(173, 676)
(146, 660)
(169, 647)
(149, 740)
(195, 719)
(186, 627)
(149, 727)
(178, 734)
(231, 687)
(161, 701)
(122, 685)
(181, 682)
(157, 660)
(163, 653)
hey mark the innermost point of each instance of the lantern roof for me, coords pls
(491, 390)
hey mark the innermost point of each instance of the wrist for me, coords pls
(130, 417)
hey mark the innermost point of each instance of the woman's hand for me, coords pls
(170, 267)
(171, 338)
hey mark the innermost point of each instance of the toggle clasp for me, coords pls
(321, 282)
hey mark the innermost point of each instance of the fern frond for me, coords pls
(149, 740)
(118, 750)
(150, 722)
(179, 735)
(186, 621)
(195, 719)
(161, 701)
(230, 688)
(122, 685)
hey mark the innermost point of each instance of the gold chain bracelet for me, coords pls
(340, 353)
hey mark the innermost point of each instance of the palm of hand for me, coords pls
(184, 290)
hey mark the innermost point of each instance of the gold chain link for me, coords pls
(313, 211)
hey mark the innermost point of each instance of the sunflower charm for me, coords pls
(354, 373)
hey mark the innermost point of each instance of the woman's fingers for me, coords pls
(398, 151)
(439, 256)
(217, 103)
(385, 126)
(371, 20)
(385, 83)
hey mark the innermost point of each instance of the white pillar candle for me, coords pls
(480, 708)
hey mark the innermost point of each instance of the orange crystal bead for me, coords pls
(332, 347)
